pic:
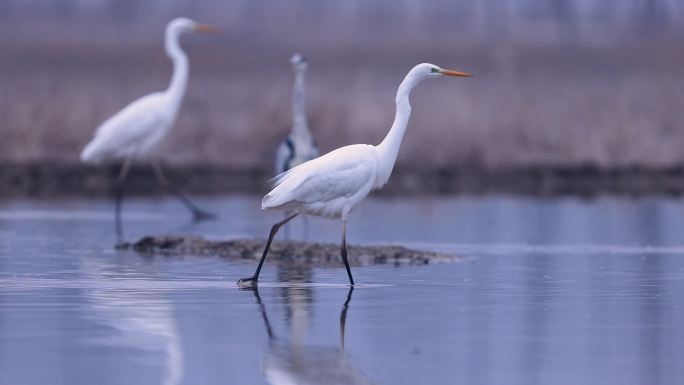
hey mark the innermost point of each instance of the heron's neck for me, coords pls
(179, 80)
(300, 127)
(389, 147)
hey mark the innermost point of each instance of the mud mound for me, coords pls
(290, 252)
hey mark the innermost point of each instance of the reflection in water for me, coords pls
(142, 319)
(290, 361)
(297, 300)
(556, 291)
(536, 347)
(651, 314)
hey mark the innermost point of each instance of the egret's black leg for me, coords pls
(197, 213)
(343, 316)
(252, 281)
(118, 200)
(344, 251)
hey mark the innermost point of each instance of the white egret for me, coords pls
(299, 145)
(135, 132)
(332, 185)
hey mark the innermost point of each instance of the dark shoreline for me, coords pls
(40, 180)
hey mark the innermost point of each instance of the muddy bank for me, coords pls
(287, 252)
(72, 180)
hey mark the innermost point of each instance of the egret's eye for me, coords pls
(434, 70)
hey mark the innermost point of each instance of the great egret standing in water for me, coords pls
(332, 185)
(135, 132)
(299, 146)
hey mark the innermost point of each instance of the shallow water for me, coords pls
(557, 291)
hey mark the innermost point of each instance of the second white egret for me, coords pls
(136, 132)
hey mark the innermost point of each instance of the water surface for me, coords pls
(555, 291)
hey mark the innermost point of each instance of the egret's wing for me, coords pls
(340, 182)
(128, 128)
(341, 173)
(135, 122)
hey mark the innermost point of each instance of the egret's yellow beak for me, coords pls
(207, 28)
(455, 73)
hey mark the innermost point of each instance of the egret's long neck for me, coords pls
(389, 147)
(300, 127)
(179, 80)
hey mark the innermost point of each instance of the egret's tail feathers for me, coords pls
(267, 202)
(271, 200)
(90, 154)
(276, 180)
(279, 195)
(276, 202)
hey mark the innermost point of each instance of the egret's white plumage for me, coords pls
(328, 186)
(136, 131)
(333, 184)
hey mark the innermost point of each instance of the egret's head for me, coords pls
(183, 24)
(298, 62)
(428, 70)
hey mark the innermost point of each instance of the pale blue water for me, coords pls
(557, 291)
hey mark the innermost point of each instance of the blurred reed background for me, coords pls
(564, 83)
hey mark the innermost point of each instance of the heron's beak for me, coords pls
(455, 73)
(207, 28)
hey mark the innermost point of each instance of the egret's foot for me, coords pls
(201, 215)
(247, 282)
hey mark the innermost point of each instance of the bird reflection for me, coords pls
(142, 320)
(297, 300)
(290, 361)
